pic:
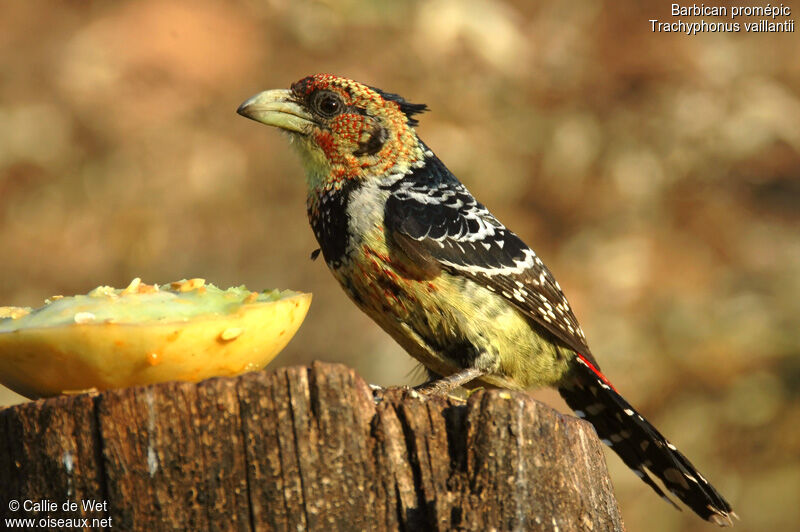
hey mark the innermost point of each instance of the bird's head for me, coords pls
(342, 129)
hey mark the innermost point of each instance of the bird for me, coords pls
(460, 292)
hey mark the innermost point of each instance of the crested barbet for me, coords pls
(451, 284)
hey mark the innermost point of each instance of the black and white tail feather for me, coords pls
(640, 445)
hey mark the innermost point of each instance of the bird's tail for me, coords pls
(640, 445)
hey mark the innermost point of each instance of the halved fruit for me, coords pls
(111, 338)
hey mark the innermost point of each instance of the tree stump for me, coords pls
(301, 449)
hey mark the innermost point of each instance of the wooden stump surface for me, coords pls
(302, 448)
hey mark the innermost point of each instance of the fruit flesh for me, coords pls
(113, 337)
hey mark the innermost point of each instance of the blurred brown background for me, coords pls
(657, 174)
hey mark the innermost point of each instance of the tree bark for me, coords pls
(303, 449)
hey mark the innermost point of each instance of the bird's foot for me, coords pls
(446, 385)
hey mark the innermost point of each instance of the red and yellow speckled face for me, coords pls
(343, 129)
(359, 131)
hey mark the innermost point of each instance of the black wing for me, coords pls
(434, 219)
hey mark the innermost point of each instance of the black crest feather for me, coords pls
(410, 109)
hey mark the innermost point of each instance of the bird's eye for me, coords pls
(327, 104)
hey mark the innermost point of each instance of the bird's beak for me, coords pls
(277, 108)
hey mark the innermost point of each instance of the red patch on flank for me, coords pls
(596, 371)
